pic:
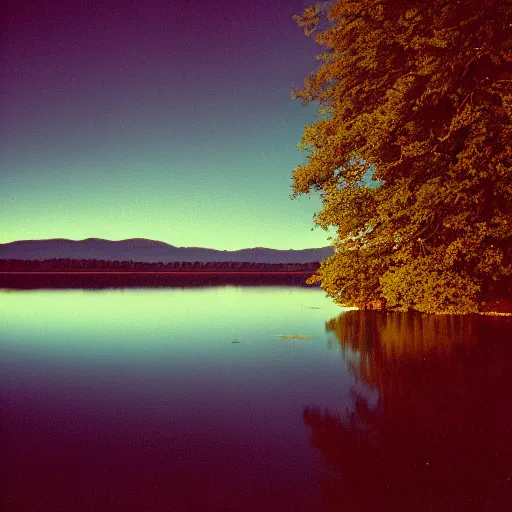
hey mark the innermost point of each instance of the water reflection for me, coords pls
(139, 399)
(103, 281)
(440, 434)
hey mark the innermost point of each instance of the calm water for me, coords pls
(188, 399)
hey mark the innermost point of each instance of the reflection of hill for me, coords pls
(146, 280)
(440, 437)
(98, 274)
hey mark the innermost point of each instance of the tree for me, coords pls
(411, 152)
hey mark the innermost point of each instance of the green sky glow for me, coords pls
(156, 123)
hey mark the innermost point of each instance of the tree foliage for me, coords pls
(411, 152)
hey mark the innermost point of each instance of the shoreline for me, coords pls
(107, 279)
(152, 272)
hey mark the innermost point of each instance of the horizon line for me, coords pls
(159, 241)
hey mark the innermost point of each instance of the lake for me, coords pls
(183, 399)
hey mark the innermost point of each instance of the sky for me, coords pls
(161, 119)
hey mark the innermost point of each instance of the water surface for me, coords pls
(188, 399)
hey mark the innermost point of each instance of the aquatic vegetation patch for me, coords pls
(294, 336)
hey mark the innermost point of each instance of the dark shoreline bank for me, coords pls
(135, 279)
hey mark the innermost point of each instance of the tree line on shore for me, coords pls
(91, 265)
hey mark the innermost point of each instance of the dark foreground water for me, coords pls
(188, 399)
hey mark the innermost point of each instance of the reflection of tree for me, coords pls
(440, 437)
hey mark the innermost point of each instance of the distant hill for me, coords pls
(141, 249)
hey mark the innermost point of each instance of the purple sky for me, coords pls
(160, 119)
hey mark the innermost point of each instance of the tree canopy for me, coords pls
(411, 152)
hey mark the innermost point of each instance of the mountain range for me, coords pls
(141, 249)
